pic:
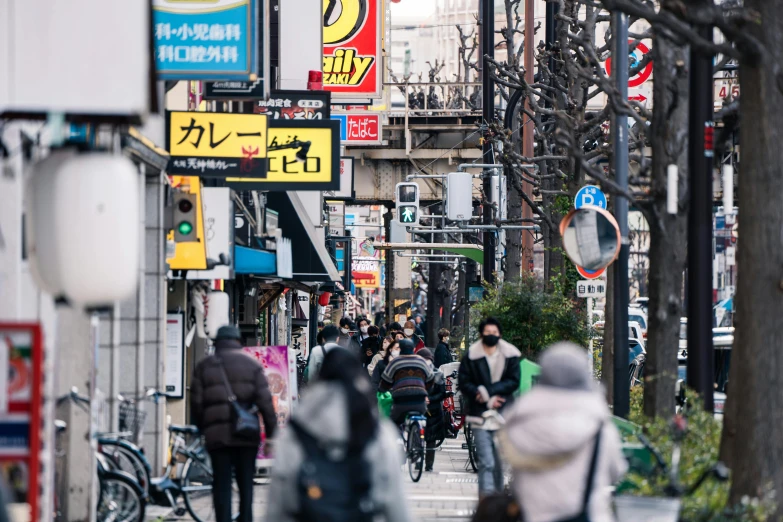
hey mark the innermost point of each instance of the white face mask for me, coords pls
(395, 353)
(446, 340)
(408, 332)
(363, 329)
(344, 330)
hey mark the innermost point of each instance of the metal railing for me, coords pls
(436, 98)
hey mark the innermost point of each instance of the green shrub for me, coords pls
(531, 318)
(700, 451)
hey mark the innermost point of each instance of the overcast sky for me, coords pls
(411, 11)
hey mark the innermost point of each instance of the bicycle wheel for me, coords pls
(415, 452)
(472, 451)
(120, 498)
(196, 488)
(127, 460)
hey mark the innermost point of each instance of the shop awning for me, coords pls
(311, 259)
(254, 261)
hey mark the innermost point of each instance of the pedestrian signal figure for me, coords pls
(336, 461)
(561, 443)
(226, 387)
(488, 378)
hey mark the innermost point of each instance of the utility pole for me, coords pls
(527, 129)
(487, 49)
(699, 289)
(622, 399)
(387, 220)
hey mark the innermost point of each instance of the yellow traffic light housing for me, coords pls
(187, 230)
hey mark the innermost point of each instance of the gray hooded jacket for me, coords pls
(323, 414)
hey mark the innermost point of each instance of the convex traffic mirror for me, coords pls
(591, 237)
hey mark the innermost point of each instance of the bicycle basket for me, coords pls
(646, 509)
(132, 419)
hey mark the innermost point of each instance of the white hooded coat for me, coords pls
(549, 442)
(323, 414)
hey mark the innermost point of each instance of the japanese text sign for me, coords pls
(198, 40)
(296, 105)
(352, 48)
(359, 129)
(214, 144)
(591, 288)
(302, 155)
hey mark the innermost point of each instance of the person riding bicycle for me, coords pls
(407, 377)
(436, 424)
(561, 443)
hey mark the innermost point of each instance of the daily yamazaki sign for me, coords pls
(352, 48)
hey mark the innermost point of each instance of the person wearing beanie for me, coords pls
(436, 423)
(407, 377)
(559, 438)
(211, 411)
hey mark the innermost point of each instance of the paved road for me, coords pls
(449, 493)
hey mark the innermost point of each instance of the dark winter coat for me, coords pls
(376, 375)
(370, 345)
(475, 377)
(436, 423)
(442, 354)
(209, 406)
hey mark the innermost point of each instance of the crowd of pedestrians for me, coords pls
(339, 457)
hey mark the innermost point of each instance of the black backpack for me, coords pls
(332, 490)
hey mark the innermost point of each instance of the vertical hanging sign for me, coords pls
(352, 49)
(216, 40)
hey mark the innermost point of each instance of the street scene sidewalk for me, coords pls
(449, 493)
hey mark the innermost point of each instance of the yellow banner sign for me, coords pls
(217, 135)
(301, 155)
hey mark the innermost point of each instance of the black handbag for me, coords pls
(245, 423)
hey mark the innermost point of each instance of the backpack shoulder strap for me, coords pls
(593, 466)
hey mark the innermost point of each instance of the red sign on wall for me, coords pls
(352, 49)
(359, 129)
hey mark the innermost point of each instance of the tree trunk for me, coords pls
(513, 237)
(607, 354)
(752, 441)
(668, 234)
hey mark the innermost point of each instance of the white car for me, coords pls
(638, 315)
(635, 332)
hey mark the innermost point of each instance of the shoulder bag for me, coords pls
(245, 423)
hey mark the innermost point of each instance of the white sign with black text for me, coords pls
(591, 288)
(175, 355)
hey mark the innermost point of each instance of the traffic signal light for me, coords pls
(407, 196)
(185, 217)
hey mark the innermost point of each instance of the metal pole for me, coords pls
(528, 149)
(622, 397)
(590, 323)
(387, 220)
(488, 88)
(700, 153)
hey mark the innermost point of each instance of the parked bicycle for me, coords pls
(188, 472)
(120, 497)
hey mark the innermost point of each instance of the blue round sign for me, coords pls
(590, 195)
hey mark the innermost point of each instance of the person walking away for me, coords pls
(409, 329)
(352, 458)
(230, 374)
(378, 357)
(421, 327)
(563, 448)
(370, 345)
(488, 378)
(407, 377)
(330, 334)
(392, 352)
(442, 351)
(436, 423)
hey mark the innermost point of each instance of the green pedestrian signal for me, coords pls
(408, 214)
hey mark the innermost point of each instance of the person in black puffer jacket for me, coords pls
(211, 412)
(436, 423)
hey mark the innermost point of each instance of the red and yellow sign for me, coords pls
(366, 272)
(352, 48)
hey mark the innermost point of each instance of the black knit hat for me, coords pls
(426, 353)
(228, 332)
